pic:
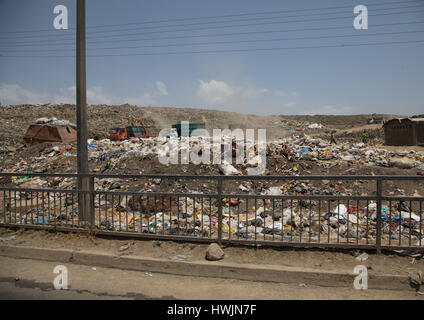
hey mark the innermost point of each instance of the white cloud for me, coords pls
(146, 99)
(15, 94)
(215, 92)
(67, 96)
(290, 104)
(253, 93)
(95, 95)
(281, 93)
(330, 109)
(162, 88)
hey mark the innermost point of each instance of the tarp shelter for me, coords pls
(404, 132)
(186, 130)
(375, 120)
(38, 133)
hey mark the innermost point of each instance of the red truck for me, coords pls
(123, 133)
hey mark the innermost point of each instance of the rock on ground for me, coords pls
(214, 252)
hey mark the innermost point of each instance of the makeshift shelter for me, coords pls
(38, 133)
(404, 132)
(375, 120)
(186, 130)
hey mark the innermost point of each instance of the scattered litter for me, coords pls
(227, 169)
(8, 238)
(362, 257)
(124, 247)
(179, 257)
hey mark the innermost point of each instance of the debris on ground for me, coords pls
(362, 257)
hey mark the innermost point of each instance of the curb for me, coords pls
(216, 269)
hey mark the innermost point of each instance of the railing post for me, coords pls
(83, 199)
(81, 106)
(379, 203)
(86, 200)
(219, 210)
(91, 197)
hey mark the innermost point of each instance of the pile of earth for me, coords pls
(16, 119)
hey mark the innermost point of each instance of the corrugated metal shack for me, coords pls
(404, 132)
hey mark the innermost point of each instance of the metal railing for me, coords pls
(164, 210)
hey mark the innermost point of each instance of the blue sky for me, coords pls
(327, 80)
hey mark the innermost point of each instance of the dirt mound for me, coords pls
(16, 119)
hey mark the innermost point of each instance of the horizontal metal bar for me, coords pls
(341, 177)
(114, 176)
(214, 195)
(165, 194)
(408, 248)
(43, 190)
(300, 244)
(205, 177)
(110, 233)
(64, 175)
(43, 227)
(210, 240)
(153, 236)
(320, 245)
(402, 198)
(302, 197)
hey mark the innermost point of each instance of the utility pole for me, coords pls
(84, 211)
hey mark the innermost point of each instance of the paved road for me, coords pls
(33, 279)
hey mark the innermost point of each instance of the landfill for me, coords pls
(196, 213)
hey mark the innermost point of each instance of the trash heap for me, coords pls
(276, 219)
(264, 218)
(321, 151)
(55, 121)
(304, 151)
(267, 219)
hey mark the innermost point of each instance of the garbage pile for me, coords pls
(199, 216)
(268, 219)
(321, 151)
(55, 121)
(304, 151)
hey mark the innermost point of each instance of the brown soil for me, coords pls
(387, 263)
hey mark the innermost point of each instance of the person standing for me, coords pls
(364, 137)
(332, 140)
